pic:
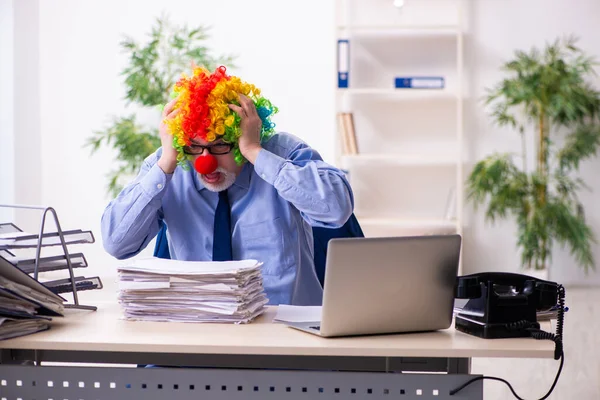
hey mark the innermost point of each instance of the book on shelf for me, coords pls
(347, 133)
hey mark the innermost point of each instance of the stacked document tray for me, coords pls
(155, 289)
(26, 304)
(23, 250)
(14, 244)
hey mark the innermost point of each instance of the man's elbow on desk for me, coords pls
(341, 210)
(343, 214)
(334, 218)
(120, 251)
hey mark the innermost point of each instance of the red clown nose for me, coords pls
(206, 164)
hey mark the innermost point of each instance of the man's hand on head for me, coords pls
(250, 125)
(168, 158)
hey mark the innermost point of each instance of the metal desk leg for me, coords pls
(459, 365)
(7, 356)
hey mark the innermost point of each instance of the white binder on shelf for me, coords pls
(343, 62)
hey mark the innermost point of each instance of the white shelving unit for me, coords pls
(398, 94)
(408, 172)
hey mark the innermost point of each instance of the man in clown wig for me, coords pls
(228, 187)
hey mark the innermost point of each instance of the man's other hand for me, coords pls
(168, 158)
(250, 125)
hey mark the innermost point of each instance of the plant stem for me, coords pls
(543, 187)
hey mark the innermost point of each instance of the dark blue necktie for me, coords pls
(222, 230)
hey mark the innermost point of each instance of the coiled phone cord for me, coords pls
(539, 335)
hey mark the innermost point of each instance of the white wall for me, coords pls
(288, 50)
(26, 116)
(6, 109)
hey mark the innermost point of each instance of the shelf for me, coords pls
(404, 227)
(399, 159)
(397, 30)
(401, 94)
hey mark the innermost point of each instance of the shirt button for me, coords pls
(159, 186)
(264, 176)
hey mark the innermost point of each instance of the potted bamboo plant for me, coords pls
(547, 94)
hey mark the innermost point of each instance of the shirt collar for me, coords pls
(242, 180)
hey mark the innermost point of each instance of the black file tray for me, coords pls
(50, 239)
(81, 283)
(53, 263)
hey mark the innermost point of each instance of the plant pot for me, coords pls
(537, 273)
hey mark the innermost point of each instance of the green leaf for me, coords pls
(580, 145)
(131, 142)
(156, 64)
(570, 229)
(497, 181)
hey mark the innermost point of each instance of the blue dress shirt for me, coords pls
(274, 203)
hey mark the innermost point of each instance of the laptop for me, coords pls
(387, 285)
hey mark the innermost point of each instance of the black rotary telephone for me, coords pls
(505, 305)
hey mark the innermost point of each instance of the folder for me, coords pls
(420, 82)
(343, 62)
(16, 283)
(15, 327)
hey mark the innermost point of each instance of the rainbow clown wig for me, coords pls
(204, 113)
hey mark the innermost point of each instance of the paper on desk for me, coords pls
(134, 285)
(176, 267)
(10, 237)
(154, 289)
(10, 328)
(287, 313)
(27, 293)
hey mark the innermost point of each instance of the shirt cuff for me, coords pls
(268, 165)
(154, 183)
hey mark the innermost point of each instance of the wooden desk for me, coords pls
(258, 360)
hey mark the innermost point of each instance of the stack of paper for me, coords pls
(25, 304)
(155, 289)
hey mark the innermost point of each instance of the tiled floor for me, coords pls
(580, 378)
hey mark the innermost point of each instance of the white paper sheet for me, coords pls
(175, 267)
(287, 313)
